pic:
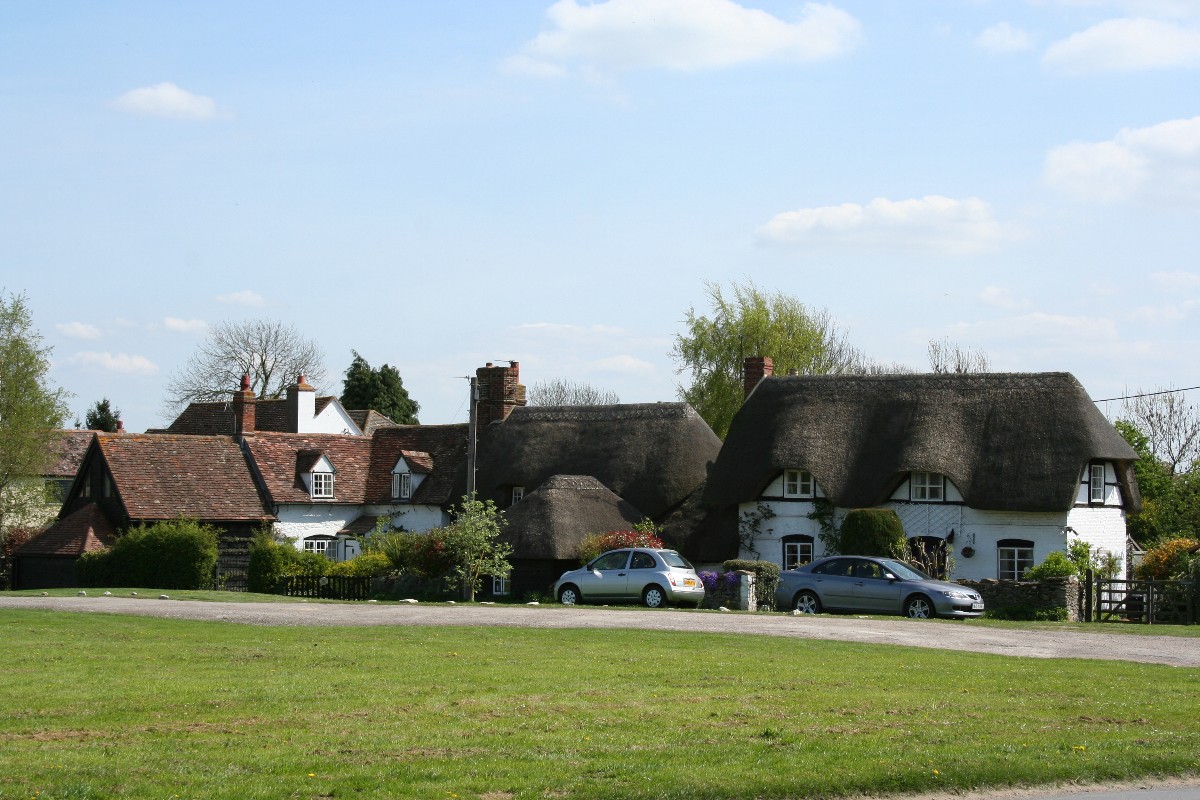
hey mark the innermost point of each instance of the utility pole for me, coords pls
(472, 432)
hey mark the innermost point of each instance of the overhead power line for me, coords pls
(1145, 394)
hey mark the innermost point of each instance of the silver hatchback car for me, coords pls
(873, 585)
(654, 577)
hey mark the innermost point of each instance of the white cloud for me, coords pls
(167, 100)
(931, 223)
(185, 325)
(682, 35)
(1165, 314)
(1125, 45)
(1159, 163)
(1002, 297)
(121, 363)
(1004, 38)
(78, 330)
(246, 297)
(624, 363)
(1177, 280)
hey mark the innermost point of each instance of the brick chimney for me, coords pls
(500, 391)
(754, 369)
(301, 406)
(243, 409)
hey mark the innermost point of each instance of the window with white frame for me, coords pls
(518, 494)
(927, 487)
(797, 483)
(797, 550)
(401, 485)
(1013, 557)
(500, 586)
(1096, 484)
(316, 545)
(322, 484)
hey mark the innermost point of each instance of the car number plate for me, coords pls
(689, 581)
(977, 606)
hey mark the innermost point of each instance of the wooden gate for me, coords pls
(1146, 601)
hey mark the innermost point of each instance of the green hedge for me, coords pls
(178, 554)
(872, 532)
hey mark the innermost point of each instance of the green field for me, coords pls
(99, 706)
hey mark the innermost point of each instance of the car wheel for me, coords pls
(807, 603)
(568, 595)
(919, 607)
(654, 597)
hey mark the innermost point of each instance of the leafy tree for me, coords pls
(1170, 501)
(749, 323)
(1167, 559)
(102, 417)
(272, 353)
(473, 547)
(31, 411)
(558, 392)
(380, 390)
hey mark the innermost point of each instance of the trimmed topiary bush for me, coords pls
(872, 532)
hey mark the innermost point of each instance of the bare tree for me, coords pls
(1170, 425)
(272, 353)
(558, 392)
(946, 356)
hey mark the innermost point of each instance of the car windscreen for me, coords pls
(906, 571)
(674, 559)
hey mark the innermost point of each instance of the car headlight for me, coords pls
(956, 595)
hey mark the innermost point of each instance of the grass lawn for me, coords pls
(99, 706)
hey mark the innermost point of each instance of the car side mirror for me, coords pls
(891, 577)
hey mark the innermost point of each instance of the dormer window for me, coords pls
(797, 483)
(401, 485)
(927, 487)
(518, 494)
(322, 485)
(1096, 483)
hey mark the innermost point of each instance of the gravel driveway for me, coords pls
(1171, 650)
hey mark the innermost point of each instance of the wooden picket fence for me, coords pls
(326, 587)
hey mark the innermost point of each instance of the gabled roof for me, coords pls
(280, 457)
(651, 454)
(369, 420)
(1012, 442)
(444, 462)
(160, 476)
(552, 521)
(69, 450)
(216, 419)
(83, 531)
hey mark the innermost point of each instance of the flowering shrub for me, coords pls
(1166, 559)
(598, 543)
(718, 582)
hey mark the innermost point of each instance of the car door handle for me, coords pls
(620, 574)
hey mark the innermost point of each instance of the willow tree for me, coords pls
(751, 322)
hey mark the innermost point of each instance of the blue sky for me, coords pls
(438, 185)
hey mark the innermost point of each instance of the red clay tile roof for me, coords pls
(446, 446)
(82, 532)
(71, 447)
(279, 456)
(160, 476)
(369, 421)
(418, 461)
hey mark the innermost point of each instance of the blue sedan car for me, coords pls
(873, 586)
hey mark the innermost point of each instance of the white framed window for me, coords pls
(501, 586)
(518, 494)
(1013, 557)
(316, 545)
(927, 487)
(1096, 483)
(322, 484)
(401, 485)
(797, 550)
(797, 483)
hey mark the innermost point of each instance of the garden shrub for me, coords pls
(872, 532)
(766, 578)
(94, 569)
(397, 547)
(1167, 559)
(305, 562)
(267, 559)
(1056, 565)
(598, 543)
(368, 565)
(175, 554)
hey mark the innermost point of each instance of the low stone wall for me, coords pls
(732, 590)
(1036, 595)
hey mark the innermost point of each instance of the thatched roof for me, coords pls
(553, 520)
(651, 454)
(1011, 442)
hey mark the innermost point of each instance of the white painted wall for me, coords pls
(332, 419)
(300, 521)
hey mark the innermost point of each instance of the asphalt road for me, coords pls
(945, 635)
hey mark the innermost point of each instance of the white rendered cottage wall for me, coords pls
(1103, 526)
(332, 419)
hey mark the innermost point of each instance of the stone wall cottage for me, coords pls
(995, 470)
